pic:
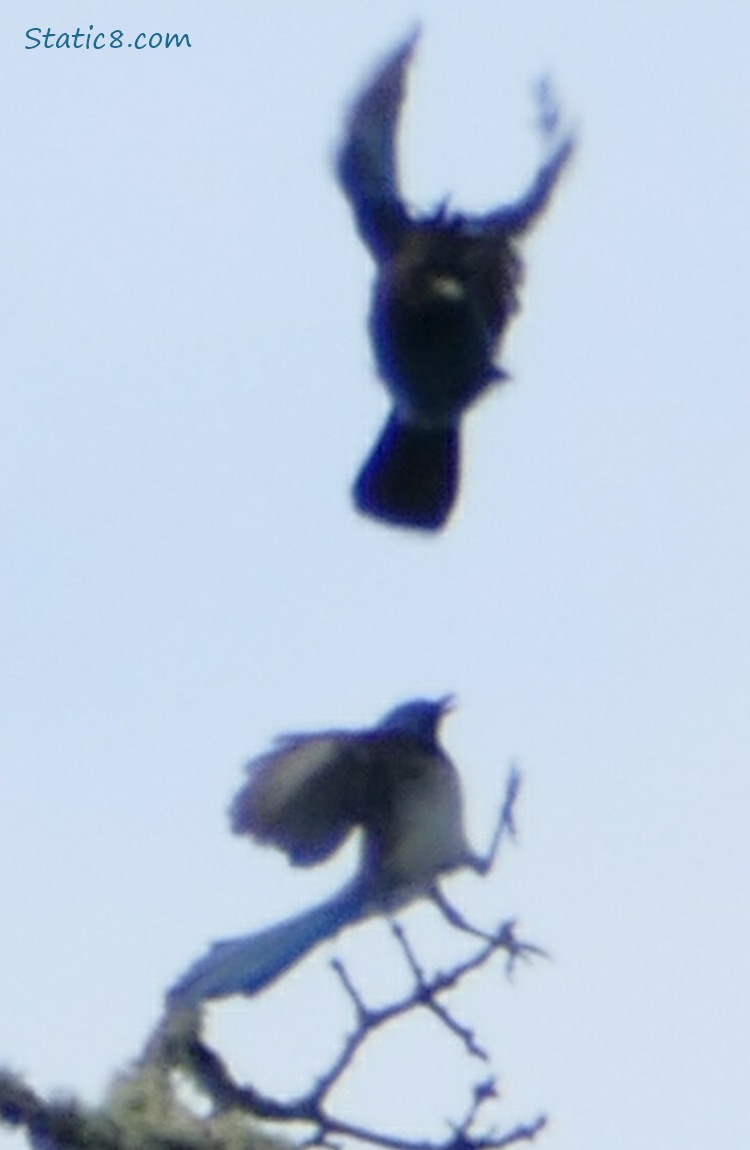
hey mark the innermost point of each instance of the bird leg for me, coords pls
(506, 825)
(454, 916)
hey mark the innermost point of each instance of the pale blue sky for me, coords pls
(187, 393)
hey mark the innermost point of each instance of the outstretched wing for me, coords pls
(305, 795)
(367, 166)
(517, 218)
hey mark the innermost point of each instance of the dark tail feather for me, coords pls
(411, 476)
(246, 965)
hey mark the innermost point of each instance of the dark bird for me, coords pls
(305, 796)
(445, 290)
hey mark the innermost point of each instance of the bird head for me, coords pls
(419, 717)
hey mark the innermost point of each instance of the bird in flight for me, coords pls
(446, 287)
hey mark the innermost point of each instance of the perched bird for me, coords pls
(445, 289)
(305, 796)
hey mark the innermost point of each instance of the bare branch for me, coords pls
(425, 996)
(179, 1044)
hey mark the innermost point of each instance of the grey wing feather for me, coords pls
(304, 796)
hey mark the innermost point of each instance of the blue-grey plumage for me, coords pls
(305, 796)
(245, 965)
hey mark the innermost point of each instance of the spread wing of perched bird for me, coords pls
(446, 287)
(395, 783)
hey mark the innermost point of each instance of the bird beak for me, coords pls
(446, 704)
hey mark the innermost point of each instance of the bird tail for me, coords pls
(246, 965)
(411, 475)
